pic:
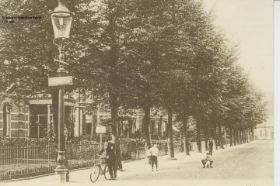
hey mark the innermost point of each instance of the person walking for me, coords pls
(112, 158)
(210, 145)
(154, 157)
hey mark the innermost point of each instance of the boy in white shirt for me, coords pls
(153, 156)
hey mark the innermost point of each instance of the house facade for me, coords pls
(33, 118)
(264, 132)
(130, 124)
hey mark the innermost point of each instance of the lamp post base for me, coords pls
(61, 169)
(63, 174)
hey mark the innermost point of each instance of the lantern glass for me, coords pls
(61, 21)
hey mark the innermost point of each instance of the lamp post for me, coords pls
(61, 19)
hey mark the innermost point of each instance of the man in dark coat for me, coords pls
(112, 157)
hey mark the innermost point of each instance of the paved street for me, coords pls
(247, 162)
(247, 165)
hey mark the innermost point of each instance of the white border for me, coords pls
(276, 91)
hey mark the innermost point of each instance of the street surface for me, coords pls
(245, 165)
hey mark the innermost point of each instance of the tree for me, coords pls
(135, 54)
(29, 67)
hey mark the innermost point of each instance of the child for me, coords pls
(207, 160)
(153, 157)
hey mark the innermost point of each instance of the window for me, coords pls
(38, 121)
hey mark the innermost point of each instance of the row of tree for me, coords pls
(136, 54)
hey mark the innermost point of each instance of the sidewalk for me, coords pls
(131, 169)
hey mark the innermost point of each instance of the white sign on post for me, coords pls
(60, 81)
(100, 129)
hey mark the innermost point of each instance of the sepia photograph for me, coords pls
(137, 92)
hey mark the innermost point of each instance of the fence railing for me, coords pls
(30, 160)
(16, 162)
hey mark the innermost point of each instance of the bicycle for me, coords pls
(97, 170)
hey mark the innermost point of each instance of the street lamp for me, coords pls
(61, 19)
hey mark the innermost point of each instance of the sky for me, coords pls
(249, 24)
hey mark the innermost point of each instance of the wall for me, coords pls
(16, 117)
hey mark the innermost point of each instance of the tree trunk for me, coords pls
(160, 128)
(242, 136)
(115, 127)
(198, 137)
(231, 137)
(185, 132)
(234, 137)
(182, 149)
(206, 137)
(249, 134)
(146, 126)
(220, 137)
(170, 134)
(225, 141)
(214, 134)
(239, 136)
(246, 135)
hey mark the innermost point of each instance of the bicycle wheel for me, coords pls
(95, 173)
(106, 173)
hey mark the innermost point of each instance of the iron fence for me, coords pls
(31, 160)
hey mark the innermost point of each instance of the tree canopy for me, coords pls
(163, 54)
